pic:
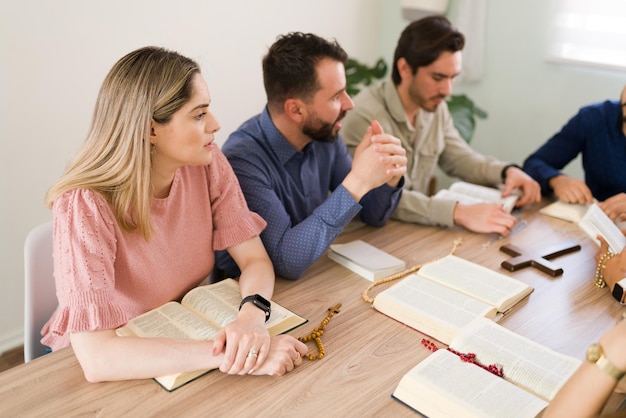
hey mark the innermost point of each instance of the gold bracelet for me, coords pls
(595, 355)
(599, 278)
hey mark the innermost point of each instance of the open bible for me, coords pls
(442, 385)
(446, 295)
(471, 194)
(200, 315)
(591, 219)
(571, 212)
(595, 222)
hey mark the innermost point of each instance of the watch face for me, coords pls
(594, 352)
(260, 300)
(618, 292)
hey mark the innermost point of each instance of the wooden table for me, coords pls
(366, 352)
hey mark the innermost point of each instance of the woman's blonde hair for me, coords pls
(147, 84)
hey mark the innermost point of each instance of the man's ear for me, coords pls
(295, 109)
(404, 69)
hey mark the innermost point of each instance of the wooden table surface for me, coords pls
(366, 352)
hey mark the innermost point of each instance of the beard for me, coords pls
(320, 130)
(424, 103)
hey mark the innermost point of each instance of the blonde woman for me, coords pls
(137, 217)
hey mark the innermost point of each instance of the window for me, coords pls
(590, 32)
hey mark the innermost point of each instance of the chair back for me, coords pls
(40, 292)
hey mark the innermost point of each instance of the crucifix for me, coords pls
(540, 261)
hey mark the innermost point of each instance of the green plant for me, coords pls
(463, 110)
(464, 113)
(359, 75)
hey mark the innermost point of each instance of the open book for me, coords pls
(446, 295)
(595, 222)
(591, 219)
(571, 212)
(471, 194)
(442, 385)
(203, 311)
(366, 260)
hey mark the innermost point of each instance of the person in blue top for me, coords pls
(293, 167)
(598, 132)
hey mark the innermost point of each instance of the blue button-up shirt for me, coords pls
(596, 133)
(299, 194)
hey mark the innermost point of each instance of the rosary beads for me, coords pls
(599, 278)
(316, 334)
(468, 358)
(364, 295)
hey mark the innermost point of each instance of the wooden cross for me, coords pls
(522, 259)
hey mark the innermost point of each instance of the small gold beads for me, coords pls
(599, 278)
(317, 333)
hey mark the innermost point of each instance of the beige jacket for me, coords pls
(433, 141)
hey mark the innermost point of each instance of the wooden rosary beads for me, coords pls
(316, 334)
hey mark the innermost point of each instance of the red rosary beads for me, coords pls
(468, 358)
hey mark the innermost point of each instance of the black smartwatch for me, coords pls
(260, 302)
(618, 291)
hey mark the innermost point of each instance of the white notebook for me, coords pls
(366, 260)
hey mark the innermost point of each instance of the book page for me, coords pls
(527, 364)
(282, 320)
(596, 222)
(570, 212)
(171, 321)
(217, 302)
(475, 280)
(485, 194)
(463, 199)
(442, 385)
(430, 308)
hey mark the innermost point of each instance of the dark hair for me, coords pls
(422, 41)
(289, 68)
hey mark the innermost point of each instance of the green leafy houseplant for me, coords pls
(463, 110)
(359, 75)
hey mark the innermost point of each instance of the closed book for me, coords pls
(366, 260)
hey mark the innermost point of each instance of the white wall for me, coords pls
(529, 99)
(54, 55)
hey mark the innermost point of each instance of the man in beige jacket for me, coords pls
(412, 107)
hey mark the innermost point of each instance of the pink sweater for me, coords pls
(106, 276)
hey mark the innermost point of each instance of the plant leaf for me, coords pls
(464, 113)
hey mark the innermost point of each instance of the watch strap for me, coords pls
(604, 364)
(595, 355)
(260, 302)
(505, 168)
